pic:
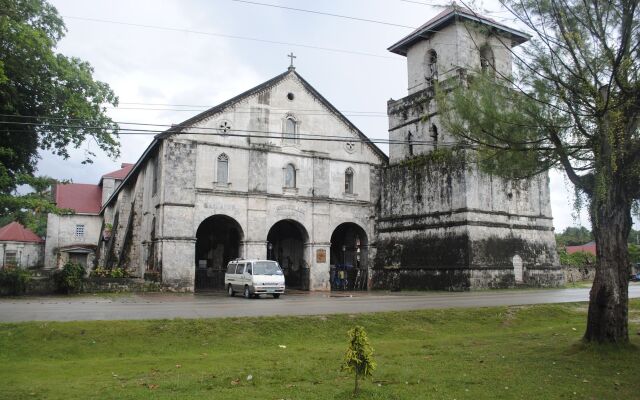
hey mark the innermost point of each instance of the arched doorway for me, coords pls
(218, 241)
(349, 257)
(286, 245)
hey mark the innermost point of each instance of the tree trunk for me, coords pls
(355, 391)
(607, 321)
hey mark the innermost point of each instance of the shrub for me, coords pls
(578, 259)
(109, 273)
(359, 356)
(69, 279)
(14, 280)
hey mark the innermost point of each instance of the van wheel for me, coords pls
(247, 293)
(230, 291)
(276, 295)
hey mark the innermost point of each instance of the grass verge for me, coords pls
(520, 352)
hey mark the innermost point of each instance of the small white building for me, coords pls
(75, 236)
(20, 247)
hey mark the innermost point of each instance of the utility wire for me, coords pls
(306, 46)
(324, 13)
(243, 133)
(247, 112)
(246, 108)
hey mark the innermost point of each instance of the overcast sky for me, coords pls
(164, 76)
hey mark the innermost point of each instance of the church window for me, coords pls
(410, 143)
(434, 135)
(432, 67)
(290, 131)
(290, 96)
(223, 169)
(348, 181)
(290, 176)
(155, 172)
(487, 60)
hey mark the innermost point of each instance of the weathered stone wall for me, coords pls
(444, 225)
(61, 233)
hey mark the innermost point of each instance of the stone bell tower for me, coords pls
(443, 224)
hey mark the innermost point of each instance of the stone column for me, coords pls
(178, 269)
(254, 249)
(319, 266)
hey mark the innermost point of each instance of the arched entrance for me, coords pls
(218, 241)
(349, 257)
(286, 245)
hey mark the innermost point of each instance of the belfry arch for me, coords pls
(218, 241)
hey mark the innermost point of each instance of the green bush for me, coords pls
(109, 273)
(578, 259)
(13, 281)
(70, 278)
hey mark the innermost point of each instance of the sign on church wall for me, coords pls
(321, 256)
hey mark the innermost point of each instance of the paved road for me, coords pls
(152, 306)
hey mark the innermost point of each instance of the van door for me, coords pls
(238, 284)
(248, 275)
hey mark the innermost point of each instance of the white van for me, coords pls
(254, 277)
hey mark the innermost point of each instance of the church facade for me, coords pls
(278, 172)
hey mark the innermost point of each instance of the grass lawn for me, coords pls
(531, 352)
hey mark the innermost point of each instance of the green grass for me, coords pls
(484, 353)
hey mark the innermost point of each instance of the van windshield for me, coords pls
(266, 268)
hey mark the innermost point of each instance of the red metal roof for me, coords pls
(121, 173)
(587, 248)
(80, 197)
(15, 232)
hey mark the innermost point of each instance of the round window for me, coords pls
(290, 96)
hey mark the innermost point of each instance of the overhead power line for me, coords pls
(183, 30)
(324, 13)
(242, 133)
(248, 112)
(246, 108)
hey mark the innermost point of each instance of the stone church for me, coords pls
(278, 172)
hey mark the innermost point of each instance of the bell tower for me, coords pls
(455, 42)
(443, 223)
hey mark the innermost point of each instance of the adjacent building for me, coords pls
(20, 247)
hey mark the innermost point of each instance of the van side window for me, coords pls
(231, 268)
(240, 269)
(249, 269)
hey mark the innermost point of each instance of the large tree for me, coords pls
(47, 101)
(573, 103)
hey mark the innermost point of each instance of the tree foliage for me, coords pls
(572, 102)
(358, 358)
(574, 236)
(47, 101)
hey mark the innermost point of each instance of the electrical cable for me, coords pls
(323, 13)
(301, 45)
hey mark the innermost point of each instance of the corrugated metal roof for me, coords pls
(80, 197)
(15, 232)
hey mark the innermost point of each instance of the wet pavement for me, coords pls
(217, 305)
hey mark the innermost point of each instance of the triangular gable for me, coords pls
(269, 84)
(176, 129)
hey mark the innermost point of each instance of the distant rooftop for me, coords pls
(80, 197)
(445, 18)
(120, 173)
(15, 232)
